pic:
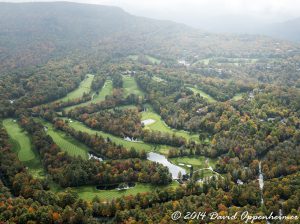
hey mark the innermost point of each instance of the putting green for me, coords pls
(198, 162)
(160, 125)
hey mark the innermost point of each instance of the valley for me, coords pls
(107, 117)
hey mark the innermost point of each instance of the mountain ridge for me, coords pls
(33, 33)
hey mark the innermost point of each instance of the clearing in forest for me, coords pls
(203, 165)
(226, 61)
(84, 87)
(67, 143)
(237, 97)
(130, 86)
(22, 147)
(163, 149)
(89, 192)
(105, 91)
(96, 98)
(209, 98)
(20, 140)
(157, 124)
(198, 162)
(151, 59)
(119, 141)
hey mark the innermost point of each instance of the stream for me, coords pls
(261, 182)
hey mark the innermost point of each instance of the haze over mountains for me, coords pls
(108, 117)
(39, 31)
(278, 19)
(288, 30)
(31, 33)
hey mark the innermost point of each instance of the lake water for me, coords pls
(174, 170)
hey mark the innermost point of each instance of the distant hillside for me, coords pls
(243, 24)
(32, 33)
(289, 30)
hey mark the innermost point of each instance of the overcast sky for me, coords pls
(197, 12)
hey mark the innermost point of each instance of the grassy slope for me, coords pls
(163, 149)
(127, 107)
(203, 94)
(67, 143)
(84, 87)
(130, 86)
(153, 60)
(160, 125)
(197, 161)
(22, 146)
(120, 141)
(238, 96)
(234, 61)
(106, 90)
(20, 139)
(158, 79)
(89, 192)
(133, 57)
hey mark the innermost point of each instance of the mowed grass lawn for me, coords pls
(163, 149)
(20, 140)
(119, 141)
(106, 90)
(203, 94)
(160, 125)
(130, 86)
(234, 61)
(90, 192)
(198, 162)
(84, 87)
(22, 147)
(238, 96)
(67, 143)
(158, 79)
(153, 60)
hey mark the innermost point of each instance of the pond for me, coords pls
(174, 170)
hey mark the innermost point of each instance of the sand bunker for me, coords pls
(148, 121)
